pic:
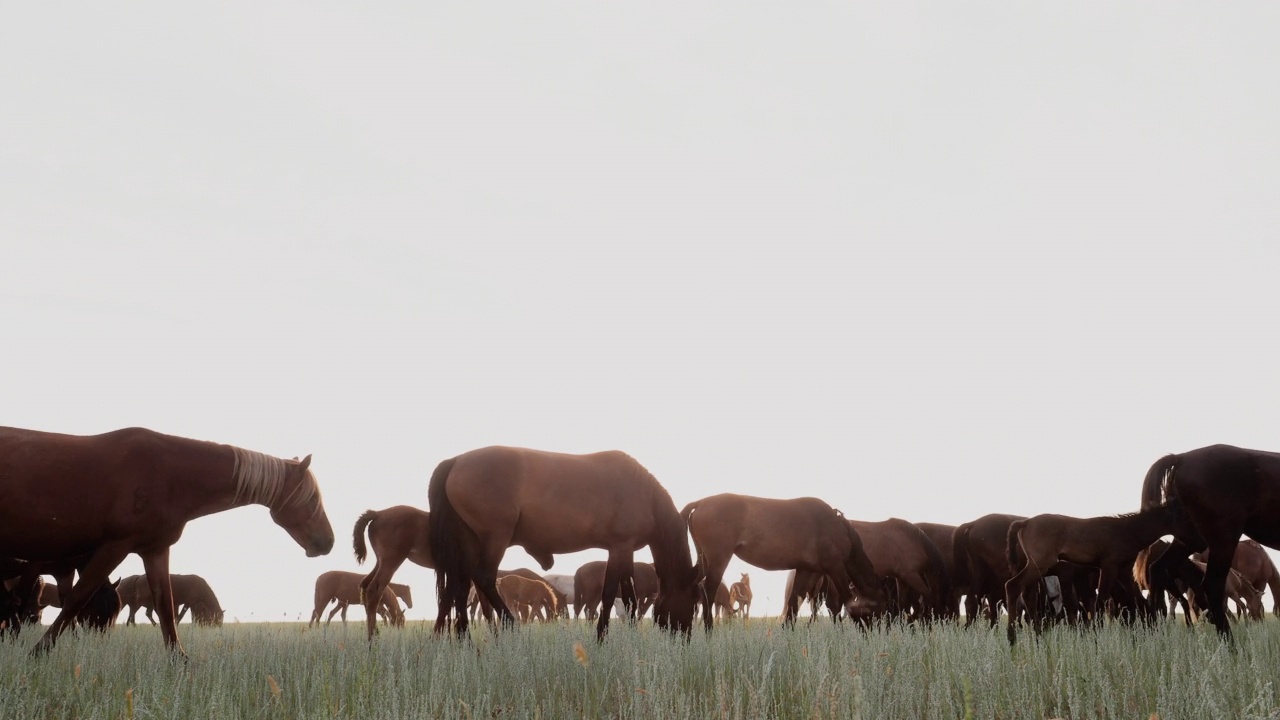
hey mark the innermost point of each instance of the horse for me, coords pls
(1255, 566)
(723, 608)
(95, 499)
(1218, 493)
(344, 588)
(941, 536)
(1247, 598)
(396, 534)
(191, 593)
(529, 598)
(901, 551)
(103, 607)
(740, 596)
(981, 562)
(1109, 543)
(588, 589)
(563, 585)
(487, 500)
(796, 534)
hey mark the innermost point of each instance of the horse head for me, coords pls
(677, 601)
(300, 511)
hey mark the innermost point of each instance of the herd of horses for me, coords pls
(88, 501)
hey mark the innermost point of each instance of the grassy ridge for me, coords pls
(741, 671)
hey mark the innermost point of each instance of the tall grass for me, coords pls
(743, 670)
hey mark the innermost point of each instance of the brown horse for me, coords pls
(740, 596)
(1220, 492)
(1255, 566)
(96, 499)
(1108, 543)
(798, 534)
(344, 588)
(901, 551)
(478, 605)
(588, 589)
(396, 534)
(941, 536)
(723, 608)
(190, 593)
(980, 549)
(529, 598)
(487, 500)
(1248, 599)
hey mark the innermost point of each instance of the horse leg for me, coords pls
(105, 559)
(334, 611)
(1013, 592)
(1215, 582)
(373, 584)
(714, 567)
(156, 565)
(619, 568)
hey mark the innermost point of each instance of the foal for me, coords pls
(1107, 543)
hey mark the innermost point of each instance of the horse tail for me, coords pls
(446, 530)
(1142, 567)
(688, 511)
(1273, 582)
(1012, 549)
(357, 535)
(1157, 487)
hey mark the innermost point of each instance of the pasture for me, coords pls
(743, 670)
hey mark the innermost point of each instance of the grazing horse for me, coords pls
(723, 608)
(1108, 543)
(487, 500)
(901, 551)
(740, 596)
(588, 589)
(528, 598)
(797, 534)
(396, 534)
(1255, 566)
(1248, 599)
(941, 537)
(96, 499)
(344, 588)
(981, 559)
(190, 593)
(563, 585)
(1218, 493)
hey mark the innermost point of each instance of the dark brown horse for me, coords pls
(344, 588)
(981, 560)
(191, 593)
(588, 589)
(798, 534)
(396, 534)
(1108, 543)
(487, 500)
(901, 551)
(98, 498)
(1218, 493)
(941, 536)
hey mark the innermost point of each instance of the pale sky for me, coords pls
(924, 260)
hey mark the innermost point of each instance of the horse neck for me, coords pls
(670, 544)
(1148, 526)
(205, 471)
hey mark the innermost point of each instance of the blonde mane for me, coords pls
(260, 480)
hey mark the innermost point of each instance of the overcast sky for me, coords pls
(920, 260)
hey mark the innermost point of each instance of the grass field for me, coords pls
(744, 670)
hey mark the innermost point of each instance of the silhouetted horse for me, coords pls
(396, 534)
(901, 551)
(1218, 493)
(1108, 543)
(981, 558)
(343, 587)
(487, 500)
(191, 593)
(588, 589)
(797, 534)
(133, 491)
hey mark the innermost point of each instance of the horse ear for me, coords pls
(304, 463)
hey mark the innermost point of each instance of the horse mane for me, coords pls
(260, 480)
